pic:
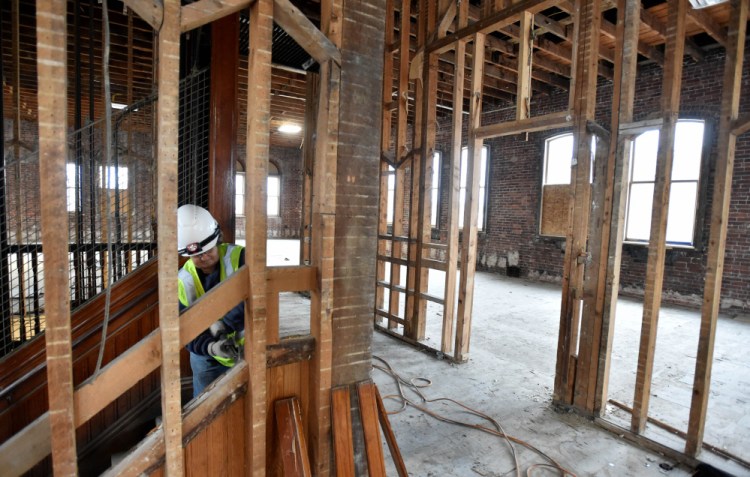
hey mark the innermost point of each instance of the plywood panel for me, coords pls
(555, 210)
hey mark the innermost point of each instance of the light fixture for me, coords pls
(289, 128)
(119, 106)
(705, 3)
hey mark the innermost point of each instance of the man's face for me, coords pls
(207, 261)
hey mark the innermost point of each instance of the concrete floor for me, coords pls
(510, 377)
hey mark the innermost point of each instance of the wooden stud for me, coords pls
(390, 437)
(719, 219)
(52, 73)
(223, 122)
(342, 432)
(525, 52)
(169, 320)
(258, 138)
(401, 148)
(203, 12)
(454, 185)
(369, 413)
(299, 27)
(583, 101)
(150, 11)
(613, 225)
(312, 81)
(539, 123)
(670, 106)
(471, 207)
(291, 435)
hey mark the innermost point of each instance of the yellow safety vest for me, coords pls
(190, 288)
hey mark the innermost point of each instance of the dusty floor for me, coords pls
(510, 376)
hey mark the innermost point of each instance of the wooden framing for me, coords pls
(51, 65)
(258, 114)
(732, 84)
(670, 105)
(291, 438)
(612, 228)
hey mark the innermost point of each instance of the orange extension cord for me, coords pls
(416, 384)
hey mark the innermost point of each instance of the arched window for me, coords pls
(273, 194)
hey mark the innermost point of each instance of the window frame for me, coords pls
(277, 175)
(701, 189)
(483, 189)
(436, 189)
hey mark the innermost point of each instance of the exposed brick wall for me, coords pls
(357, 190)
(515, 173)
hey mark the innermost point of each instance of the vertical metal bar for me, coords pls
(78, 123)
(17, 170)
(52, 73)
(91, 257)
(37, 291)
(6, 337)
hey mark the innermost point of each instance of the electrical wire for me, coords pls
(415, 385)
(107, 159)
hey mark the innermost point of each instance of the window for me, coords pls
(239, 194)
(116, 178)
(683, 197)
(482, 186)
(391, 194)
(70, 185)
(435, 189)
(556, 177)
(273, 195)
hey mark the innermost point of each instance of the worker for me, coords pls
(215, 350)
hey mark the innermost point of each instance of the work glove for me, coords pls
(224, 348)
(218, 328)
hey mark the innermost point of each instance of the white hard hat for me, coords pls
(197, 230)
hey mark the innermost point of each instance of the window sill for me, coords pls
(670, 246)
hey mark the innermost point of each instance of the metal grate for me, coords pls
(111, 207)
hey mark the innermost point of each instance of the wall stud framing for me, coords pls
(169, 324)
(52, 71)
(670, 106)
(719, 218)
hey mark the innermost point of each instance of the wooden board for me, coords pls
(343, 444)
(555, 210)
(292, 446)
(369, 412)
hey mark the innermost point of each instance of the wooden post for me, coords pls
(224, 120)
(400, 149)
(6, 331)
(471, 205)
(424, 129)
(525, 51)
(719, 219)
(258, 137)
(626, 61)
(169, 324)
(312, 81)
(670, 106)
(51, 30)
(588, 18)
(454, 185)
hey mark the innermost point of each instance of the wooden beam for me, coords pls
(454, 185)
(615, 198)
(202, 12)
(390, 437)
(670, 106)
(292, 446)
(290, 350)
(538, 123)
(169, 320)
(471, 207)
(292, 279)
(705, 21)
(343, 442)
(299, 27)
(732, 85)
(149, 453)
(258, 106)
(51, 46)
(587, 20)
(150, 11)
(368, 411)
(525, 52)
(645, 49)
(495, 21)
(741, 125)
(223, 121)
